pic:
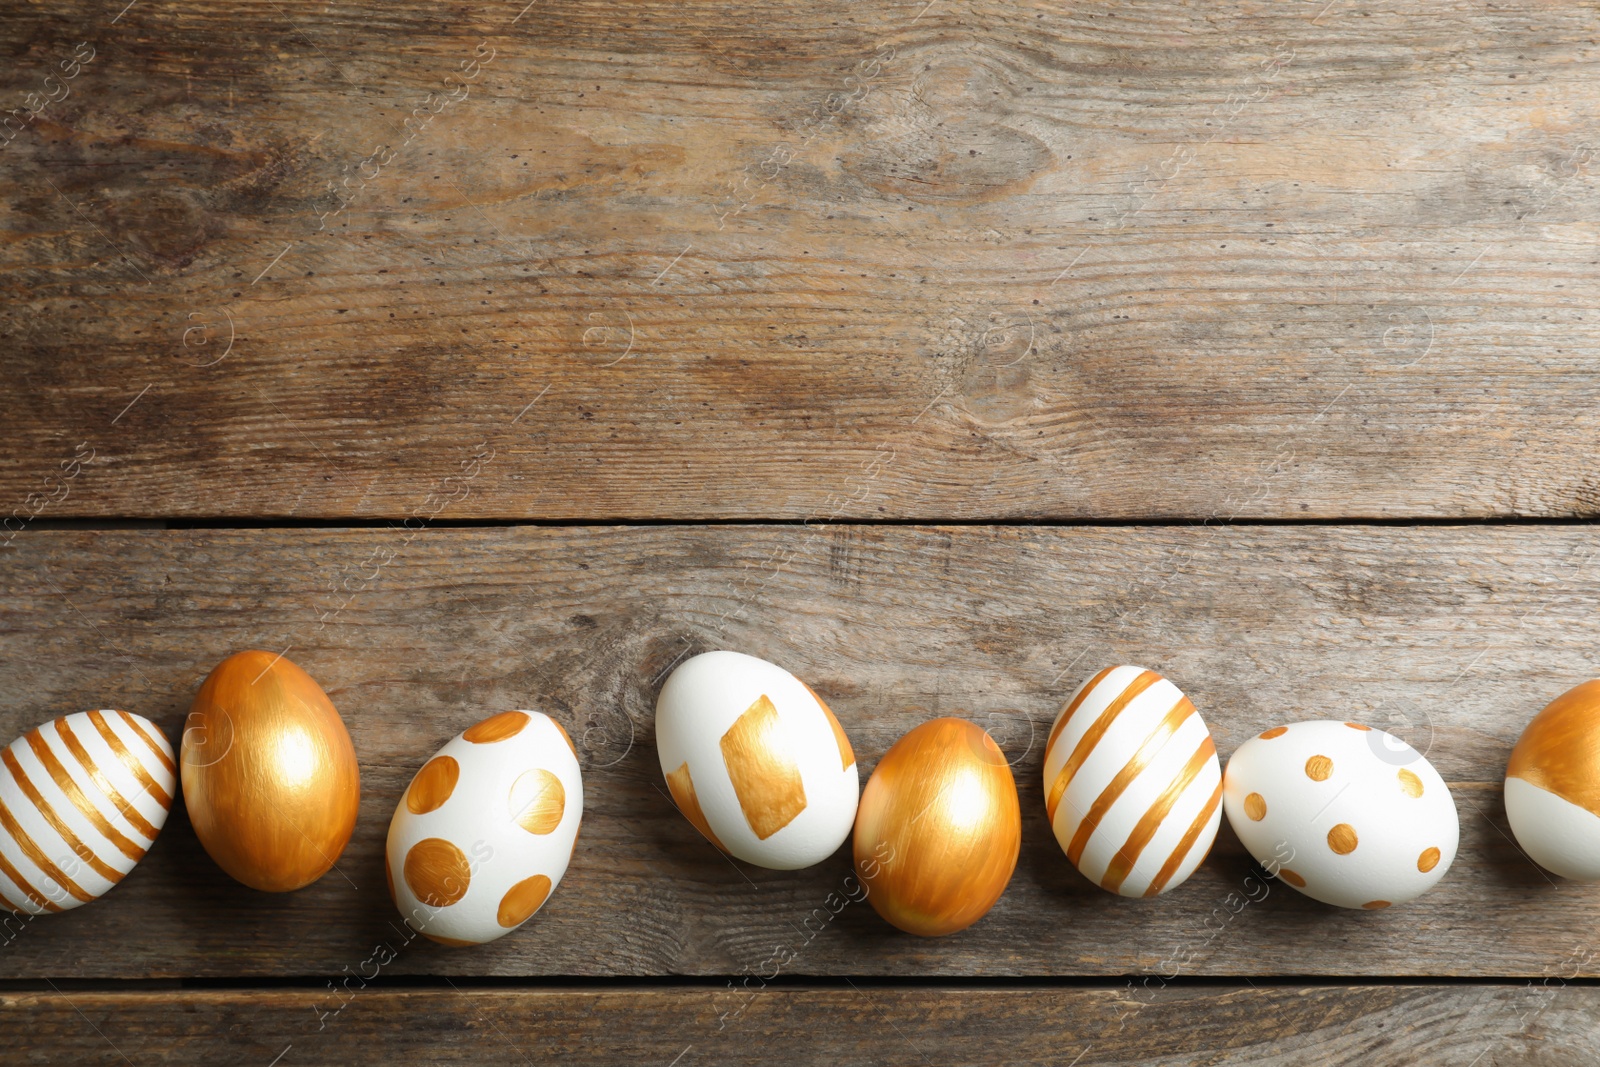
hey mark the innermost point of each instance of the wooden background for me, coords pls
(482, 355)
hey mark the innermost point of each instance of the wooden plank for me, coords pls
(1375, 1026)
(951, 260)
(1451, 636)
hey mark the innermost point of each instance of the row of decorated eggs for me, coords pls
(480, 837)
(1134, 793)
(760, 765)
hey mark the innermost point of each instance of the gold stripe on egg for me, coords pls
(144, 735)
(22, 883)
(1072, 708)
(847, 755)
(86, 761)
(1152, 745)
(1185, 843)
(130, 760)
(1122, 863)
(765, 779)
(86, 807)
(31, 849)
(57, 823)
(681, 786)
(1092, 736)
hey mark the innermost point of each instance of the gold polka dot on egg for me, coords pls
(537, 801)
(433, 785)
(486, 829)
(1318, 768)
(1342, 839)
(1346, 814)
(522, 900)
(437, 872)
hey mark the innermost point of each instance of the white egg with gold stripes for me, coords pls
(1132, 785)
(756, 761)
(82, 799)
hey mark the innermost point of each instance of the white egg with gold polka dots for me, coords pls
(485, 830)
(1346, 814)
(756, 761)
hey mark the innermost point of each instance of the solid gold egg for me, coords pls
(938, 829)
(269, 775)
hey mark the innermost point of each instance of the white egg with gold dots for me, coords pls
(1346, 814)
(486, 829)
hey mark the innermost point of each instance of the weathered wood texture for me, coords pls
(1452, 637)
(997, 258)
(1374, 1026)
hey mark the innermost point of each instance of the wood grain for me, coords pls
(971, 259)
(1375, 1026)
(1450, 636)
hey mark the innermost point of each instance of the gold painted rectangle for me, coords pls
(765, 777)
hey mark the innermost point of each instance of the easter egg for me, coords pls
(756, 761)
(1346, 814)
(82, 800)
(939, 829)
(269, 774)
(1553, 785)
(1132, 785)
(485, 830)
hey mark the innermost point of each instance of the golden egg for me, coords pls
(939, 828)
(269, 775)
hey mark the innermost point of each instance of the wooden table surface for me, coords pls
(482, 355)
